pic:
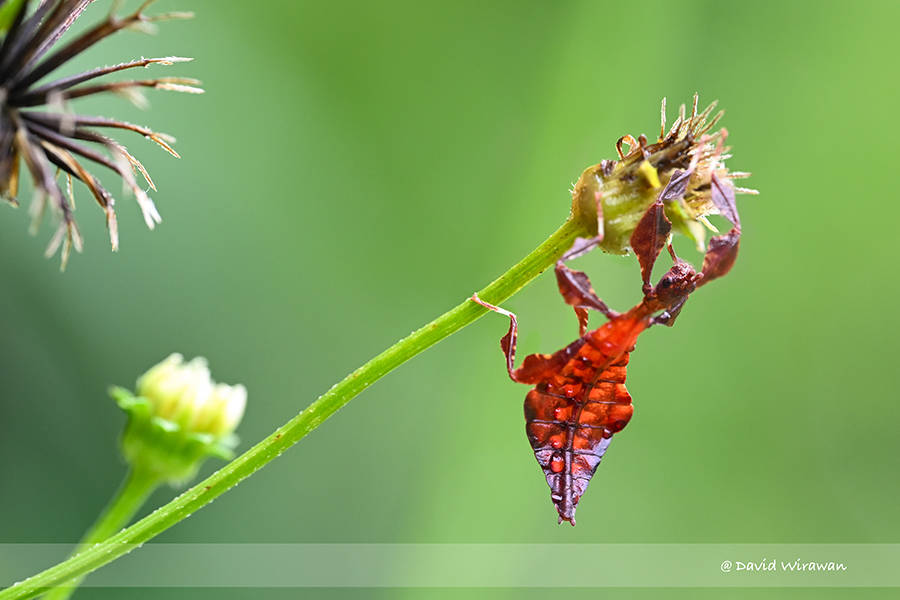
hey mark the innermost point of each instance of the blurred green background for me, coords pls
(356, 169)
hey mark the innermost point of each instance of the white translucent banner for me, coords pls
(478, 565)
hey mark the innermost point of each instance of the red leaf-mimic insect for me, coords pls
(579, 400)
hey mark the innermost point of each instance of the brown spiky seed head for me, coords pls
(626, 187)
(38, 126)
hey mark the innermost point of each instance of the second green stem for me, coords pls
(135, 490)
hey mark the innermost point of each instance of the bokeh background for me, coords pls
(356, 169)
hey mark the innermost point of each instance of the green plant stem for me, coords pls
(132, 494)
(284, 437)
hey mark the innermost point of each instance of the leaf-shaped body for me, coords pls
(572, 415)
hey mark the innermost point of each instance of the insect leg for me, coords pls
(652, 231)
(723, 249)
(536, 367)
(508, 341)
(669, 315)
(575, 286)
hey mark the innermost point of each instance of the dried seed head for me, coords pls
(624, 188)
(54, 140)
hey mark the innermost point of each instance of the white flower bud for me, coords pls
(179, 416)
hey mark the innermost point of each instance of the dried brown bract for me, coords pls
(37, 125)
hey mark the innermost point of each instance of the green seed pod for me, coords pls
(611, 197)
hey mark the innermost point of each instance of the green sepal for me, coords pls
(160, 446)
(128, 401)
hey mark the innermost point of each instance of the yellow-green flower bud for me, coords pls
(177, 417)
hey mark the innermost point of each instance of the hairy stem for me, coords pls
(284, 437)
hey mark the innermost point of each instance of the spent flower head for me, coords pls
(623, 189)
(177, 417)
(55, 140)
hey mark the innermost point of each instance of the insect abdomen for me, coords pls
(570, 422)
